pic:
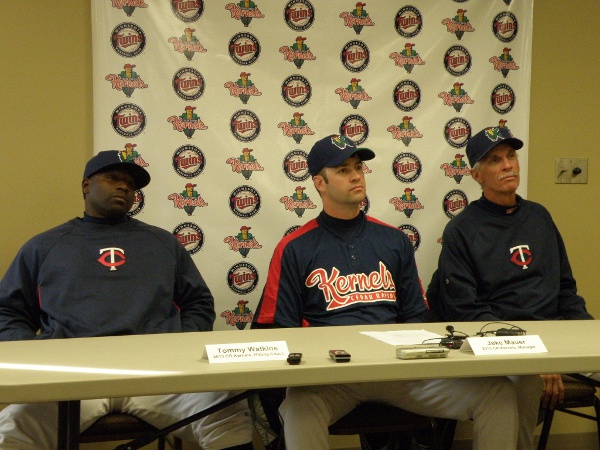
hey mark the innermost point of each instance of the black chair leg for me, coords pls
(548, 416)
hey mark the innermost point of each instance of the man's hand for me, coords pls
(554, 391)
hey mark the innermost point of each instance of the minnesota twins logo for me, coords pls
(355, 56)
(138, 204)
(457, 60)
(458, 25)
(188, 44)
(188, 84)
(187, 10)
(128, 40)
(295, 165)
(240, 316)
(407, 95)
(296, 90)
(190, 236)
(454, 202)
(242, 278)
(405, 131)
(296, 128)
(128, 120)
(503, 98)
(457, 97)
(406, 167)
(355, 128)
(297, 52)
(243, 242)
(188, 161)
(132, 156)
(412, 234)
(504, 63)
(244, 11)
(188, 122)
(299, 15)
(407, 202)
(243, 88)
(407, 58)
(457, 132)
(127, 80)
(353, 94)
(244, 125)
(408, 21)
(298, 201)
(244, 202)
(521, 256)
(290, 230)
(112, 257)
(245, 164)
(456, 169)
(188, 200)
(128, 7)
(358, 18)
(365, 204)
(505, 26)
(244, 49)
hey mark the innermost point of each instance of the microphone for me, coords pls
(450, 329)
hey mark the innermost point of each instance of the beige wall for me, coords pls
(46, 125)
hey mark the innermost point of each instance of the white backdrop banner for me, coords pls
(221, 102)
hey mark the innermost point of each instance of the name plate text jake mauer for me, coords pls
(504, 345)
(246, 351)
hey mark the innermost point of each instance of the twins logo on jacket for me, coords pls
(245, 163)
(127, 80)
(357, 18)
(521, 255)
(298, 201)
(240, 316)
(244, 11)
(353, 94)
(243, 242)
(188, 44)
(407, 58)
(112, 257)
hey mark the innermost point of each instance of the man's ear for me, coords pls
(319, 183)
(476, 175)
(85, 185)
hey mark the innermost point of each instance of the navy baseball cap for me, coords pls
(481, 143)
(333, 151)
(111, 159)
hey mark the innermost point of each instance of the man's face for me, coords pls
(109, 195)
(498, 172)
(346, 184)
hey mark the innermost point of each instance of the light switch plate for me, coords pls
(571, 171)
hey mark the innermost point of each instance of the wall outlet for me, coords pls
(571, 171)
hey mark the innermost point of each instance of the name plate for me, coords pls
(246, 352)
(504, 345)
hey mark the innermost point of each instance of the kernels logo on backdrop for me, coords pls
(407, 167)
(454, 203)
(188, 44)
(355, 56)
(407, 95)
(244, 11)
(128, 120)
(412, 234)
(242, 278)
(245, 163)
(128, 154)
(244, 125)
(127, 80)
(138, 204)
(187, 10)
(353, 94)
(244, 202)
(188, 84)
(296, 90)
(502, 124)
(298, 202)
(457, 97)
(299, 15)
(188, 161)
(408, 21)
(407, 202)
(243, 88)
(405, 131)
(358, 18)
(240, 316)
(457, 60)
(188, 122)
(188, 200)
(297, 52)
(128, 40)
(459, 24)
(244, 49)
(456, 169)
(457, 132)
(503, 98)
(242, 242)
(190, 236)
(407, 58)
(355, 128)
(296, 128)
(295, 165)
(505, 26)
(504, 63)
(128, 6)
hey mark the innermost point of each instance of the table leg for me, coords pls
(68, 424)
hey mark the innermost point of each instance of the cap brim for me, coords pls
(141, 177)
